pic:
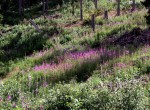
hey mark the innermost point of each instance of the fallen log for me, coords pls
(35, 26)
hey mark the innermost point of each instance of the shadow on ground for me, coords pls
(11, 16)
(130, 41)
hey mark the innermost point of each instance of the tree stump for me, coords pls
(93, 22)
(106, 14)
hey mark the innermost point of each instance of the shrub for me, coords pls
(146, 3)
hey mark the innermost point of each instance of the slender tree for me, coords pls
(28, 3)
(106, 14)
(47, 7)
(20, 8)
(81, 10)
(4, 10)
(93, 22)
(95, 2)
(118, 7)
(73, 6)
(44, 5)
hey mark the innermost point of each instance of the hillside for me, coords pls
(57, 61)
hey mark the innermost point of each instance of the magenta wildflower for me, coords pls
(84, 54)
(44, 66)
(67, 61)
(121, 65)
(9, 97)
(52, 67)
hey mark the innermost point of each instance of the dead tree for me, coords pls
(28, 3)
(118, 7)
(106, 14)
(45, 5)
(20, 7)
(81, 10)
(93, 22)
(95, 2)
(35, 26)
(73, 7)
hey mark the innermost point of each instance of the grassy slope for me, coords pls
(97, 72)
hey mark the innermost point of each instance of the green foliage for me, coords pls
(146, 3)
(72, 96)
(144, 69)
(127, 73)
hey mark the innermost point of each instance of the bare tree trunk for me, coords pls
(73, 6)
(73, 9)
(118, 7)
(28, 4)
(23, 6)
(4, 9)
(47, 7)
(81, 10)
(20, 8)
(106, 14)
(95, 2)
(93, 22)
(44, 5)
(35, 26)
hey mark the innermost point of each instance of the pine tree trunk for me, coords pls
(44, 5)
(93, 22)
(4, 9)
(20, 8)
(118, 7)
(81, 10)
(73, 9)
(47, 7)
(95, 1)
(106, 14)
(27, 3)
